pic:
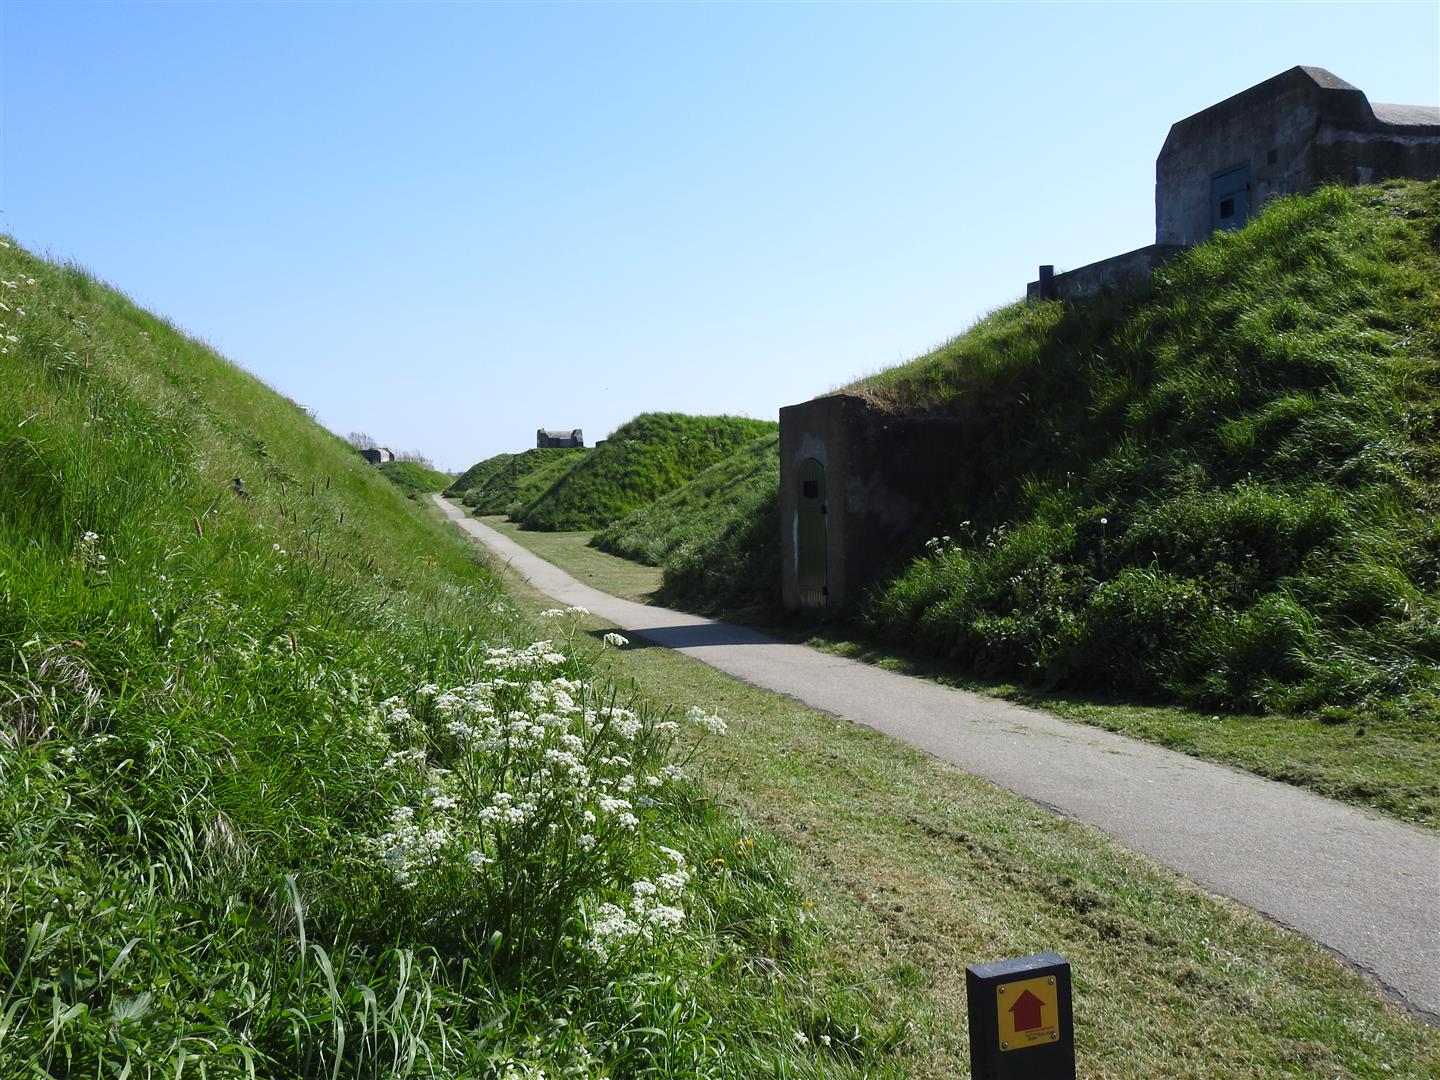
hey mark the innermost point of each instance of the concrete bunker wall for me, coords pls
(885, 477)
(1287, 135)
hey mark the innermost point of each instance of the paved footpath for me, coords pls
(1362, 885)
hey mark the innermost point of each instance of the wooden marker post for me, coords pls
(1021, 1025)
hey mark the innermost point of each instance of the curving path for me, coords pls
(1363, 886)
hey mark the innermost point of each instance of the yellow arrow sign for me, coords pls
(1028, 1013)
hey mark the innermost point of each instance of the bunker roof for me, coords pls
(1335, 100)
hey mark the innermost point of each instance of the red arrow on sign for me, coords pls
(1027, 1011)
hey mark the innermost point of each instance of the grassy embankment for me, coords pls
(507, 483)
(715, 537)
(916, 870)
(643, 459)
(1206, 515)
(413, 478)
(245, 831)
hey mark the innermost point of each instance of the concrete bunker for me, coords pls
(545, 439)
(1290, 134)
(855, 486)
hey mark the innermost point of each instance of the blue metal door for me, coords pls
(1230, 198)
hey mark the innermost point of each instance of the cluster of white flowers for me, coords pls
(410, 848)
(653, 910)
(538, 654)
(534, 764)
(560, 613)
(701, 719)
(620, 721)
(616, 640)
(6, 334)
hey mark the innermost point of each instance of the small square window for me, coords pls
(1227, 208)
(811, 489)
(1272, 156)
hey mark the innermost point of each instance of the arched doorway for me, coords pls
(812, 569)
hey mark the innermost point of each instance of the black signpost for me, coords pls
(1021, 1024)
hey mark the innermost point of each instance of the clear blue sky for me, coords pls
(450, 224)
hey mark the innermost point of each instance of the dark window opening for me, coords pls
(1227, 208)
(1272, 157)
(811, 489)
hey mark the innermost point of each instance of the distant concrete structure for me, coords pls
(1287, 135)
(572, 438)
(377, 455)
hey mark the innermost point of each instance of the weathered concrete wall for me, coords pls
(1116, 272)
(1368, 157)
(886, 476)
(1294, 132)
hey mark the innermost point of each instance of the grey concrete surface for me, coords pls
(1363, 886)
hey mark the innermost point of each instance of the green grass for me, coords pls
(576, 555)
(414, 478)
(506, 483)
(1207, 518)
(916, 870)
(243, 835)
(642, 460)
(716, 537)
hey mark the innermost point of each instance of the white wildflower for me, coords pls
(711, 723)
(616, 640)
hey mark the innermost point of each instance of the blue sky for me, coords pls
(450, 224)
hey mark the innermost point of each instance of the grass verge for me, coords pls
(916, 869)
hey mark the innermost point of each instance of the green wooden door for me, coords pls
(812, 570)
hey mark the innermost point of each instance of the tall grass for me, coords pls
(278, 772)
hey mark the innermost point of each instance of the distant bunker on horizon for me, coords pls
(856, 483)
(546, 439)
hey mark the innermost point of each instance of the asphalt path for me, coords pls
(1362, 885)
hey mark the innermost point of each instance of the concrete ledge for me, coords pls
(1116, 272)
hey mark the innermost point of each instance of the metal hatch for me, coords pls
(812, 555)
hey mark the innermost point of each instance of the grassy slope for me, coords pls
(505, 483)
(414, 479)
(1224, 493)
(476, 475)
(644, 458)
(714, 536)
(916, 870)
(193, 759)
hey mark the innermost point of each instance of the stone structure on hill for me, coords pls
(377, 455)
(853, 485)
(1287, 135)
(856, 484)
(572, 438)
